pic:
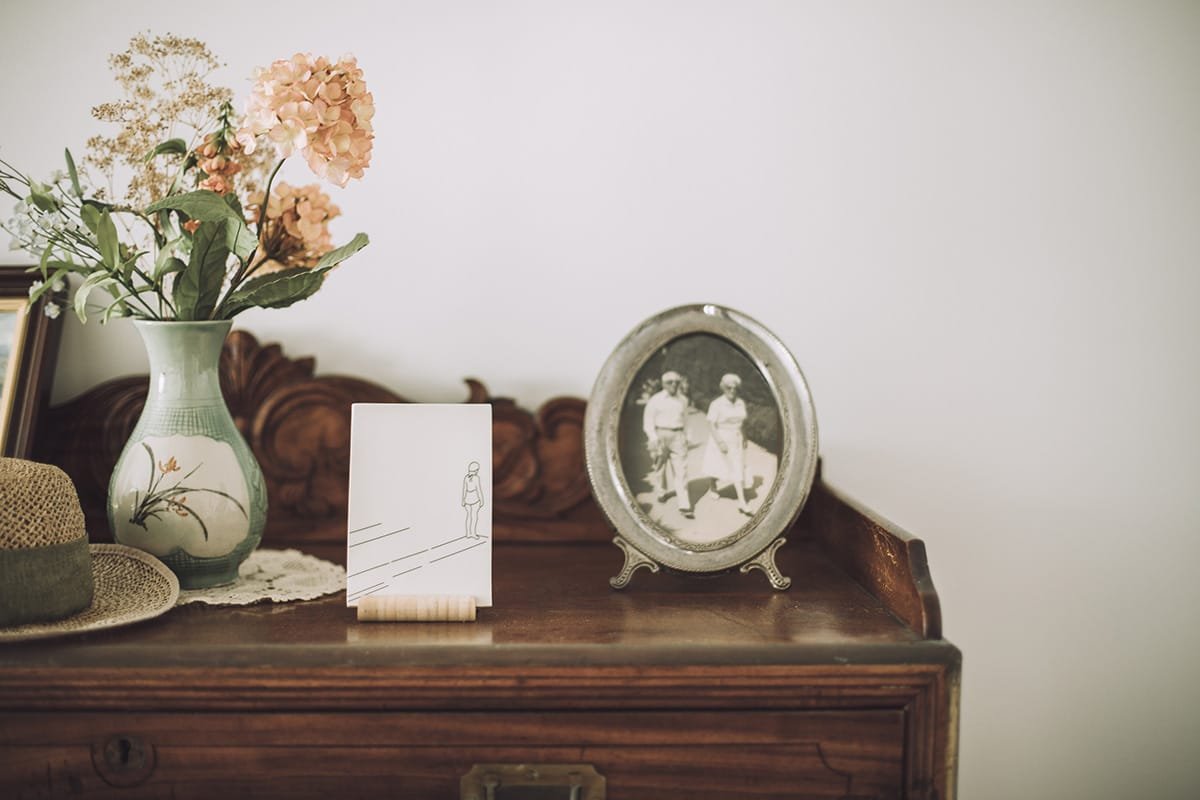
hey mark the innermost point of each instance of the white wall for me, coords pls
(976, 225)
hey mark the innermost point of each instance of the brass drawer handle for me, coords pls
(532, 782)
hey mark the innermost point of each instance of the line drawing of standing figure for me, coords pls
(664, 423)
(472, 499)
(725, 456)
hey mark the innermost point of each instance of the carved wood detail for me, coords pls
(298, 425)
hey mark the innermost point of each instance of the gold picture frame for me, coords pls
(28, 351)
(14, 312)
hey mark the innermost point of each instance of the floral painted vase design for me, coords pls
(165, 497)
(187, 487)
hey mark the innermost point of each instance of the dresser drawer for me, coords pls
(643, 755)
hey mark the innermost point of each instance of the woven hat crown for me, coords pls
(38, 506)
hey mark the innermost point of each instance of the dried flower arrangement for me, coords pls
(200, 231)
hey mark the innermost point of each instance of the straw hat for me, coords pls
(51, 581)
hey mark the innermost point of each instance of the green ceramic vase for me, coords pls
(187, 487)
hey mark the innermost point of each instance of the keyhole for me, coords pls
(123, 760)
(125, 753)
(125, 746)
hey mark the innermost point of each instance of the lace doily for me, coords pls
(276, 576)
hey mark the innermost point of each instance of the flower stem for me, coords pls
(158, 290)
(246, 269)
(159, 239)
(262, 210)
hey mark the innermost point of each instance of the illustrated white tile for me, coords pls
(420, 516)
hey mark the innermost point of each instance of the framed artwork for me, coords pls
(701, 444)
(28, 349)
(419, 522)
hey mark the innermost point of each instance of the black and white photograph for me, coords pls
(701, 443)
(700, 438)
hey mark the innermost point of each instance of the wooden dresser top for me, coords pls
(861, 597)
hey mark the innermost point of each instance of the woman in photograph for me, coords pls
(472, 499)
(725, 456)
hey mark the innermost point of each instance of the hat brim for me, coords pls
(130, 586)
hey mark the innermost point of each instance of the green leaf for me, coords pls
(36, 294)
(67, 266)
(110, 245)
(209, 206)
(45, 260)
(129, 259)
(282, 289)
(232, 201)
(60, 270)
(165, 254)
(59, 273)
(201, 204)
(168, 266)
(335, 257)
(73, 173)
(90, 214)
(115, 305)
(47, 283)
(41, 197)
(276, 290)
(175, 147)
(119, 305)
(97, 280)
(240, 240)
(198, 288)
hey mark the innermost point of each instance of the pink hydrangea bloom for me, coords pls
(296, 228)
(319, 109)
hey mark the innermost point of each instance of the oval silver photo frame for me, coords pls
(700, 439)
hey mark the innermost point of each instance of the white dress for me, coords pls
(727, 419)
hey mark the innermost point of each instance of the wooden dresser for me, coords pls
(841, 687)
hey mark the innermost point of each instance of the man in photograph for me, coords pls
(664, 424)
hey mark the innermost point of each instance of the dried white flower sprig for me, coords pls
(195, 237)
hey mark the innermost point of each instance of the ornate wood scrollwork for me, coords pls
(298, 425)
